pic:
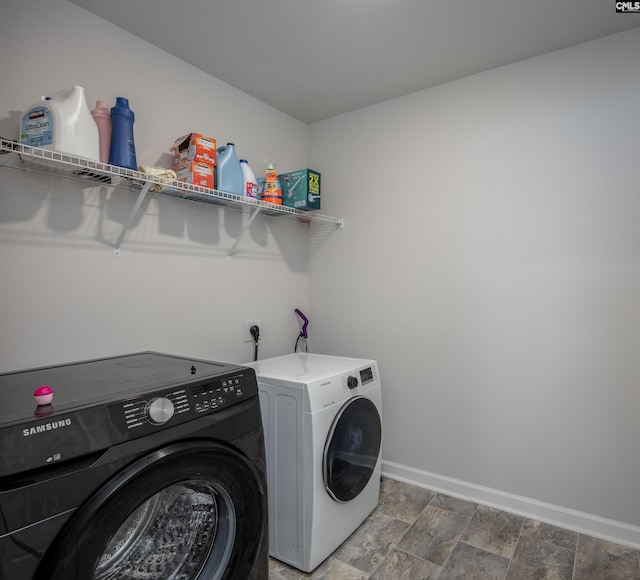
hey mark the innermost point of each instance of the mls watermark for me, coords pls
(628, 7)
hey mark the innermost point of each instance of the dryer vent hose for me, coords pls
(303, 332)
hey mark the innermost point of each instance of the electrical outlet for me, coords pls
(247, 333)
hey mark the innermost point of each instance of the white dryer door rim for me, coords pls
(352, 449)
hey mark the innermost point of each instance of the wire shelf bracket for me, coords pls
(132, 216)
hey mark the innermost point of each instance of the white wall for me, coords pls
(64, 295)
(491, 263)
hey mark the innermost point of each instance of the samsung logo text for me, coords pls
(46, 427)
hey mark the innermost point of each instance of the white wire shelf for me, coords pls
(27, 158)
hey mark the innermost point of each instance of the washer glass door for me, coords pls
(352, 449)
(172, 534)
(193, 510)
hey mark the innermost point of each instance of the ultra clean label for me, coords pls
(37, 127)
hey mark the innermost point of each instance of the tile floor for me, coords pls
(417, 534)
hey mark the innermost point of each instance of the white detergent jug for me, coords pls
(250, 183)
(62, 123)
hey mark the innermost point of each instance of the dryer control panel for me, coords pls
(366, 375)
(146, 414)
(328, 391)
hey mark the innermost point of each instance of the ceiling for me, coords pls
(314, 59)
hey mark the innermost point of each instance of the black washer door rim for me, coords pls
(201, 465)
(352, 449)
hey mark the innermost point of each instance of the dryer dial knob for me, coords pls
(159, 411)
(352, 382)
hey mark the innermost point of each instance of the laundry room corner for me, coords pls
(276, 307)
(490, 267)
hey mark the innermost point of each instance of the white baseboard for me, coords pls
(577, 521)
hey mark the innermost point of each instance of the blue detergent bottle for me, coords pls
(123, 150)
(229, 175)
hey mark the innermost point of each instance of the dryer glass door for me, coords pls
(352, 449)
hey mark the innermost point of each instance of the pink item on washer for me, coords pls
(43, 395)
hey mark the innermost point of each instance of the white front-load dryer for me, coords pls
(322, 419)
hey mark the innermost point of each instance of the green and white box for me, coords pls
(301, 189)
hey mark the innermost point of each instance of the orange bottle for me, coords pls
(272, 192)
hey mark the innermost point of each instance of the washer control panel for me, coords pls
(218, 395)
(146, 414)
(159, 410)
(154, 410)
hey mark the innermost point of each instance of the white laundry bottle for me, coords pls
(62, 123)
(250, 183)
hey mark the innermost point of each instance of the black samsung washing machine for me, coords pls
(143, 467)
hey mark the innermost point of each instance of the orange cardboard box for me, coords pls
(194, 147)
(196, 173)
